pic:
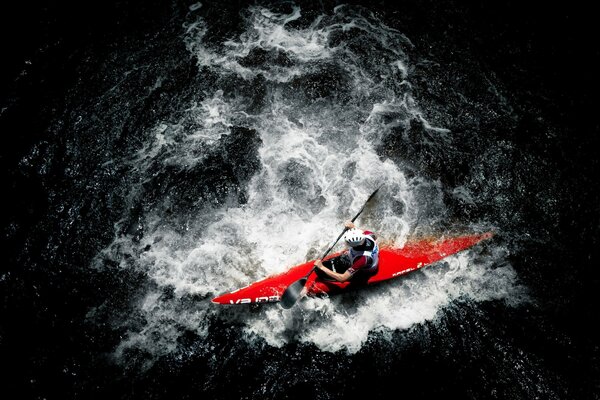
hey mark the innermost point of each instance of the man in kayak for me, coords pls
(359, 262)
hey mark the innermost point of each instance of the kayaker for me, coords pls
(358, 263)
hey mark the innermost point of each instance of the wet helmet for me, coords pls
(354, 237)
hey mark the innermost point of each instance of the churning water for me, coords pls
(293, 120)
(191, 149)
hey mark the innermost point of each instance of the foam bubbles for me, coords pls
(318, 164)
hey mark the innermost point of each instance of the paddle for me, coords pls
(292, 293)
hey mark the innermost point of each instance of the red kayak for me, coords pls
(392, 263)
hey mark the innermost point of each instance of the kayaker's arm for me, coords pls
(337, 276)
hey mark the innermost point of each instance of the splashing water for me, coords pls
(305, 104)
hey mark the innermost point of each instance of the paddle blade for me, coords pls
(292, 293)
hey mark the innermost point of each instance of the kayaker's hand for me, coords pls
(319, 264)
(350, 225)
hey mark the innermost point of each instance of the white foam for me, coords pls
(318, 164)
(195, 6)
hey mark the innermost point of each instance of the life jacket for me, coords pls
(369, 249)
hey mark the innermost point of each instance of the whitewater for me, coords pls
(301, 105)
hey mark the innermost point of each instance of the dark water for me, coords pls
(141, 138)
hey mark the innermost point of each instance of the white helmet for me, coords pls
(354, 237)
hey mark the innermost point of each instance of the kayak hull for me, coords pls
(393, 262)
